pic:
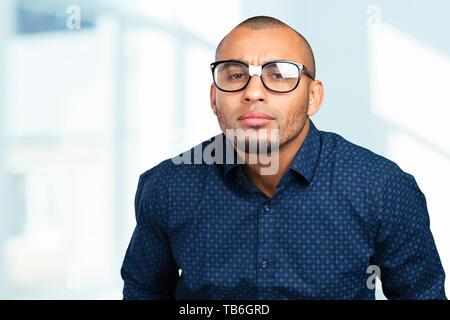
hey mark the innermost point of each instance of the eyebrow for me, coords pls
(264, 62)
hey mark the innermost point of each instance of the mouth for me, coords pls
(255, 118)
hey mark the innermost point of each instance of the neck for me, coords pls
(286, 153)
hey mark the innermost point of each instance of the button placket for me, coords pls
(263, 248)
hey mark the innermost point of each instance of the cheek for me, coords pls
(292, 114)
(291, 107)
(226, 104)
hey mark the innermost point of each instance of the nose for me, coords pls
(255, 91)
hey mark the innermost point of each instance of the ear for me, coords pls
(315, 97)
(212, 98)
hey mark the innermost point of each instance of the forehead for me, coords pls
(260, 46)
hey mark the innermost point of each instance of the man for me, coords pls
(315, 226)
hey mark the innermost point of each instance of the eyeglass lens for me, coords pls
(277, 76)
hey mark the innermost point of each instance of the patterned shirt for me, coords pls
(340, 213)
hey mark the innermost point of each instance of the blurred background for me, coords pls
(82, 115)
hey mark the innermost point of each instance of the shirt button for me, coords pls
(266, 208)
(264, 264)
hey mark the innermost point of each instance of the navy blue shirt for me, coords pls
(340, 212)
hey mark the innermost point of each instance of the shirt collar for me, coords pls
(228, 166)
(305, 160)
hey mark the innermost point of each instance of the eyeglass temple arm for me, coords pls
(308, 72)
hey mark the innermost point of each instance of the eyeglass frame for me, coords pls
(301, 67)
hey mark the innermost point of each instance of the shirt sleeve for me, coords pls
(405, 250)
(149, 270)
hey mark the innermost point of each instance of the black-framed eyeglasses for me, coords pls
(279, 76)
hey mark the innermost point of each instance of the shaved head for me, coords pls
(264, 23)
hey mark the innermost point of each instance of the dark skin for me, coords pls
(290, 111)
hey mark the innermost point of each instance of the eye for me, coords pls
(277, 75)
(236, 76)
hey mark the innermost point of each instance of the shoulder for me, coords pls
(349, 156)
(361, 173)
(358, 165)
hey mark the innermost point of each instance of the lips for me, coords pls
(255, 118)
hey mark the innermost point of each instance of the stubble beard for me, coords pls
(286, 134)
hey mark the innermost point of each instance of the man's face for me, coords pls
(287, 110)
